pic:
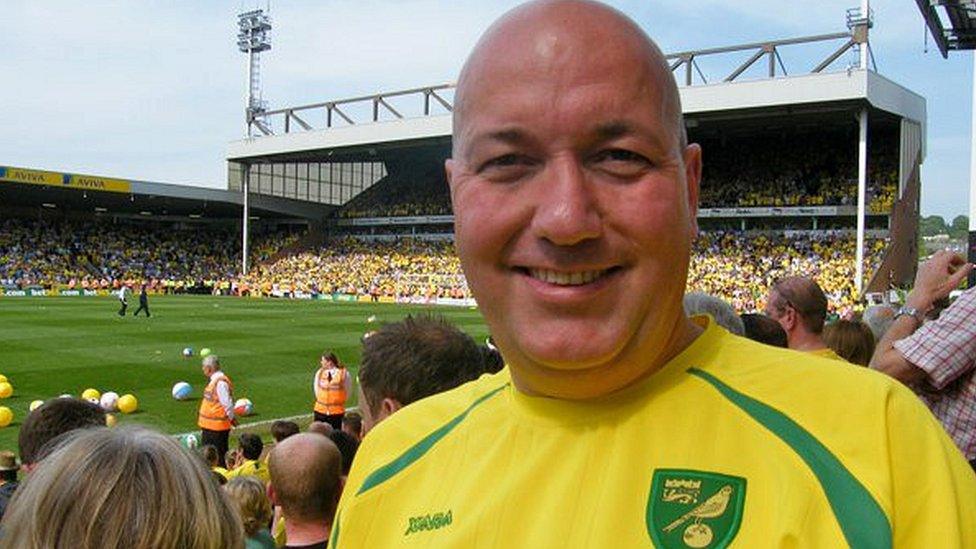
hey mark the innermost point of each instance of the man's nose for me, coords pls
(567, 212)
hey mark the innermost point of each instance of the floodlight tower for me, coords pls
(859, 22)
(253, 38)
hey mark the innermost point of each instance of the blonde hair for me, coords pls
(852, 340)
(252, 501)
(121, 487)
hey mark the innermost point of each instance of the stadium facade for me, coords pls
(384, 147)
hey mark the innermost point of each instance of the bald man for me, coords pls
(619, 421)
(305, 483)
(800, 307)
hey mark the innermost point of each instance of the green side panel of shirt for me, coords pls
(861, 519)
(418, 450)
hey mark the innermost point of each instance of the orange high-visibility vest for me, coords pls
(330, 391)
(212, 415)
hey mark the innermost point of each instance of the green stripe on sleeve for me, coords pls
(418, 450)
(861, 519)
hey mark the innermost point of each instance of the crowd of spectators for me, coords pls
(732, 265)
(811, 170)
(401, 196)
(96, 254)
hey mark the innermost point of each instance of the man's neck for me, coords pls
(306, 533)
(806, 342)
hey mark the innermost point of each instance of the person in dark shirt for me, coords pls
(143, 302)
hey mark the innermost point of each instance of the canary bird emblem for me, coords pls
(679, 523)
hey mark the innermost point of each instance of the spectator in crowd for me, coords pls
(320, 428)
(619, 421)
(879, 319)
(937, 358)
(8, 478)
(800, 307)
(212, 458)
(216, 415)
(697, 303)
(249, 459)
(347, 445)
(852, 340)
(332, 385)
(352, 423)
(50, 421)
(761, 328)
(251, 498)
(44, 427)
(282, 429)
(305, 483)
(408, 360)
(120, 488)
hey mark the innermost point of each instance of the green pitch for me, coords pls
(269, 348)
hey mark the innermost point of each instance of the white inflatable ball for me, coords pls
(182, 390)
(189, 441)
(243, 407)
(109, 401)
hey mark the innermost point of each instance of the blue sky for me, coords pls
(154, 90)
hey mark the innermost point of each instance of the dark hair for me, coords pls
(210, 455)
(53, 419)
(331, 357)
(415, 358)
(353, 420)
(806, 298)
(251, 445)
(493, 360)
(280, 430)
(347, 445)
(761, 328)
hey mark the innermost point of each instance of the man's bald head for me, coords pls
(305, 470)
(556, 38)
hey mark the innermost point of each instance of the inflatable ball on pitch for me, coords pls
(6, 389)
(110, 401)
(89, 394)
(6, 416)
(182, 390)
(128, 404)
(243, 407)
(35, 404)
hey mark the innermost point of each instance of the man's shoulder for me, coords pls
(789, 376)
(422, 418)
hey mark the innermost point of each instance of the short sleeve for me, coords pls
(945, 348)
(933, 487)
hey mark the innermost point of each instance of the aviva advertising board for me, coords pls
(66, 180)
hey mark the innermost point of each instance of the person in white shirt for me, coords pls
(123, 299)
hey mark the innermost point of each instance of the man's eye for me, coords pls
(507, 167)
(621, 162)
(504, 161)
(620, 155)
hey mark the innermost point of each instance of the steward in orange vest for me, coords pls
(332, 385)
(216, 415)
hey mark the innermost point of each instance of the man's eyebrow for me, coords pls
(512, 136)
(614, 129)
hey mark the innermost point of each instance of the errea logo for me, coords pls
(434, 521)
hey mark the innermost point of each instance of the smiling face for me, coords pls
(574, 199)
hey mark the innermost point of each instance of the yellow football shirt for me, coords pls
(723, 447)
(251, 467)
(827, 352)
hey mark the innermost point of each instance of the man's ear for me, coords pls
(271, 495)
(388, 406)
(693, 172)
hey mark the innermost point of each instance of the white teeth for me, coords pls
(565, 279)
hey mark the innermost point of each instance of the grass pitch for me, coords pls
(269, 348)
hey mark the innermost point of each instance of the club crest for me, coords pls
(694, 509)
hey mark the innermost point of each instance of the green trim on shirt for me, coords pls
(418, 450)
(861, 519)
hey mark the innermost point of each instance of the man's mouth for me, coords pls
(563, 278)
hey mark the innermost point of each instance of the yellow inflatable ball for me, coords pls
(89, 394)
(128, 404)
(35, 404)
(6, 416)
(110, 420)
(6, 389)
(3, 379)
